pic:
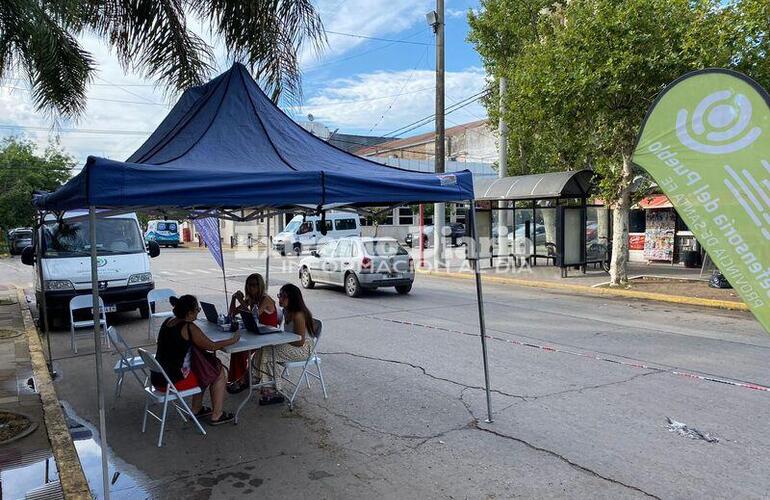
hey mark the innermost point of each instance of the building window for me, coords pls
(405, 216)
(344, 224)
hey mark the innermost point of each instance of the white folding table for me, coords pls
(250, 341)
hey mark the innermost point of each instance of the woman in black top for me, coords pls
(177, 335)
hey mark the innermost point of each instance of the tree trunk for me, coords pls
(619, 261)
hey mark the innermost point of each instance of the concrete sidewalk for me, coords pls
(27, 466)
(660, 282)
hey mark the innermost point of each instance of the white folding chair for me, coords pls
(128, 363)
(80, 302)
(154, 297)
(305, 365)
(160, 397)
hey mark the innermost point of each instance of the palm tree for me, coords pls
(38, 40)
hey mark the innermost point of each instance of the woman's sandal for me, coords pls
(223, 419)
(205, 411)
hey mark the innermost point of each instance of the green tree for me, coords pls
(581, 87)
(23, 171)
(39, 39)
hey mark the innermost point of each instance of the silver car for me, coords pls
(357, 264)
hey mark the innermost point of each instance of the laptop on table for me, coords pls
(251, 325)
(210, 310)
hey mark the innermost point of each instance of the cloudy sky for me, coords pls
(358, 85)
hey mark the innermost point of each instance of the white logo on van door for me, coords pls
(719, 124)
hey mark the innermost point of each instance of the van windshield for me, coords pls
(72, 239)
(292, 226)
(167, 226)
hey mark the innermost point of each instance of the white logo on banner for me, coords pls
(752, 195)
(727, 118)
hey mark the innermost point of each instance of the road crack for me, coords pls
(424, 371)
(590, 387)
(566, 460)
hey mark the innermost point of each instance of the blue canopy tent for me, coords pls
(225, 144)
(226, 150)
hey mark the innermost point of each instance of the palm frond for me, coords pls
(267, 36)
(34, 41)
(152, 37)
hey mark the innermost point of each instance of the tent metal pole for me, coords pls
(43, 312)
(98, 351)
(267, 258)
(480, 301)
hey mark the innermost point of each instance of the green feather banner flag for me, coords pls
(706, 142)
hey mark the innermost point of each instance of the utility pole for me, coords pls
(437, 22)
(502, 161)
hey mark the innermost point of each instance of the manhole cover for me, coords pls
(14, 426)
(7, 333)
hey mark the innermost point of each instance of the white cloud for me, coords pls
(357, 103)
(455, 13)
(375, 18)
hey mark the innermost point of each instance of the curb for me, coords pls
(71, 476)
(606, 292)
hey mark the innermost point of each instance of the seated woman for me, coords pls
(254, 300)
(297, 319)
(177, 336)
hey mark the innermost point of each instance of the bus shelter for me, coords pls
(543, 217)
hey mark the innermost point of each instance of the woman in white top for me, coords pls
(297, 319)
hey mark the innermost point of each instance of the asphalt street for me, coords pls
(583, 388)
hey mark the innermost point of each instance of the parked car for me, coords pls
(458, 233)
(359, 264)
(303, 232)
(18, 239)
(522, 246)
(427, 232)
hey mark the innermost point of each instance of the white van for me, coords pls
(163, 232)
(123, 264)
(304, 232)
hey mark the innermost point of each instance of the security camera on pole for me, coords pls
(436, 21)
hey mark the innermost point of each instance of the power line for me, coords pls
(359, 54)
(126, 90)
(75, 130)
(93, 98)
(365, 37)
(449, 109)
(406, 82)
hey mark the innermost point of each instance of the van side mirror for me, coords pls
(153, 249)
(314, 253)
(28, 256)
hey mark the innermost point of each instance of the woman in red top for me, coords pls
(255, 300)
